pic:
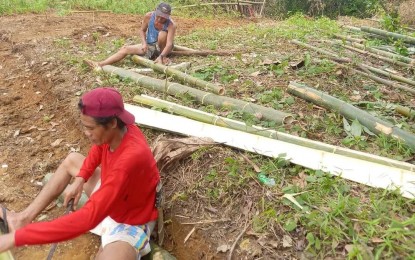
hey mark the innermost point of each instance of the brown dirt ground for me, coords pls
(39, 122)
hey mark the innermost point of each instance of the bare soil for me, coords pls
(39, 122)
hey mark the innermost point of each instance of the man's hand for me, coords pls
(160, 59)
(7, 242)
(74, 191)
(144, 47)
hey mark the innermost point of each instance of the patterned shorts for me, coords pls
(137, 236)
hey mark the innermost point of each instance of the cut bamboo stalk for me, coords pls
(349, 38)
(387, 74)
(374, 124)
(181, 66)
(385, 53)
(352, 28)
(377, 56)
(380, 80)
(405, 111)
(203, 53)
(361, 171)
(7, 255)
(182, 48)
(335, 58)
(208, 118)
(202, 97)
(186, 78)
(393, 35)
(328, 53)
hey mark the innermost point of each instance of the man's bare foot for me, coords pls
(93, 65)
(14, 220)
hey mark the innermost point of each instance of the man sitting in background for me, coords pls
(157, 37)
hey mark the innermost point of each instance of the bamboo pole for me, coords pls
(352, 28)
(377, 56)
(387, 74)
(349, 38)
(380, 80)
(354, 169)
(202, 97)
(182, 48)
(330, 54)
(203, 53)
(208, 118)
(335, 58)
(385, 53)
(393, 35)
(405, 111)
(181, 66)
(374, 124)
(178, 74)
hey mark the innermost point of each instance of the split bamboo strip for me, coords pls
(354, 169)
(186, 78)
(208, 118)
(405, 111)
(393, 35)
(202, 97)
(374, 124)
(385, 53)
(387, 74)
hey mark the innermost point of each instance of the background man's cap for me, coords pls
(163, 10)
(105, 102)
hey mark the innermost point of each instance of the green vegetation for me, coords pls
(330, 216)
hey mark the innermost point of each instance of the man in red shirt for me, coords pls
(119, 175)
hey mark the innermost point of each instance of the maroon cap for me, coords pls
(105, 102)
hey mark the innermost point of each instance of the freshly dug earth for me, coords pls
(39, 121)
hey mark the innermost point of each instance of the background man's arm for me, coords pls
(171, 32)
(143, 31)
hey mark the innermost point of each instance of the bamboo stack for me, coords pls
(202, 97)
(257, 130)
(387, 34)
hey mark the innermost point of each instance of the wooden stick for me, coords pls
(206, 221)
(188, 235)
(236, 241)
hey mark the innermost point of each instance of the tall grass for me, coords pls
(39, 6)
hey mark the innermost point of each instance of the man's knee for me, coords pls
(73, 161)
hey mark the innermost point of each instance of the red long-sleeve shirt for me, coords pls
(129, 177)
